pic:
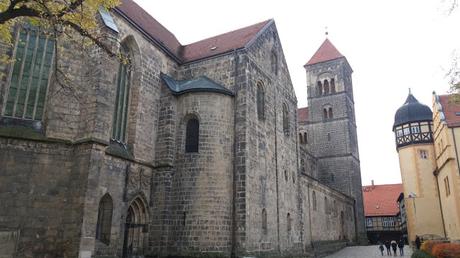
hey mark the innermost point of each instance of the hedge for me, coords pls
(438, 249)
(421, 254)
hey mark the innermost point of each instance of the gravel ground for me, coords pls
(371, 251)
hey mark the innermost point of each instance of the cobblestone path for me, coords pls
(371, 251)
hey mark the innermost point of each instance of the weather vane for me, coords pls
(326, 32)
(409, 91)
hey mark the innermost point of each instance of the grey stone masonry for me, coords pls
(68, 189)
(332, 128)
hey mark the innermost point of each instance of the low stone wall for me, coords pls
(324, 248)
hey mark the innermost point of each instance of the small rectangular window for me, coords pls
(423, 154)
(108, 19)
(399, 133)
(406, 131)
(415, 129)
(447, 186)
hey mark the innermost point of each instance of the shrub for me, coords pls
(421, 254)
(427, 246)
(446, 250)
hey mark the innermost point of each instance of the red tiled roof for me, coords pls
(201, 49)
(450, 108)
(222, 43)
(325, 52)
(150, 26)
(302, 114)
(380, 200)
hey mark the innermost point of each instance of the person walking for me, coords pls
(381, 247)
(394, 245)
(388, 246)
(418, 243)
(401, 246)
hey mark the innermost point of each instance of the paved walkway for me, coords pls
(371, 251)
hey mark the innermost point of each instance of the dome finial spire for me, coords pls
(326, 32)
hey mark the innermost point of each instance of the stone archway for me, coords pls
(135, 230)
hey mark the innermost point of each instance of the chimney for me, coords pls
(372, 182)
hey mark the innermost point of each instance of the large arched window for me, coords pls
(29, 79)
(120, 118)
(104, 219)
(192, 135)
(260, 101)
(285, 119)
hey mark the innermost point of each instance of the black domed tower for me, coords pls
(413, 123)
(413, 128)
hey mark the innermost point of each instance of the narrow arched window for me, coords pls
(289, 222)
(332, 85)
(300, 138)
(319, 88)
(264, 222)
(313, 197)
(330, 113)
(325, 115)
(305, 139)
(274, 63)
(104, 219)
(192, 135)
(30, 73)
(260, 101)
(326, 208)
(285, 119)
(326, 87)
(120, 118)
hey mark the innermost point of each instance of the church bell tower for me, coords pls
(332, 125)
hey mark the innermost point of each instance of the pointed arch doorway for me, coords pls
(135, 231)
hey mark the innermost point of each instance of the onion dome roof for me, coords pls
(412, 111)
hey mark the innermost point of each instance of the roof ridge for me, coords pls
(228, 32)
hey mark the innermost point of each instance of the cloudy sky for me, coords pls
(392, 45)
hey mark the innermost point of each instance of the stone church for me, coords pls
(192, 150)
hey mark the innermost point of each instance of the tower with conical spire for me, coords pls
(332, 125)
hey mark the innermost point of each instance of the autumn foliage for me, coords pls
(441, 249)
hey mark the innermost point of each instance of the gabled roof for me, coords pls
(135, 14)
(222, 43)
(325, 52)
(200, 84)
(450, 109)
(302, 114)
(380, 200)
(204, 48)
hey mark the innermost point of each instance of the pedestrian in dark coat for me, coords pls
(381, 247)
(418, 243)
(394, 246)
(401, 247)
(388, 246)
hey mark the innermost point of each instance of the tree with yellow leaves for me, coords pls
(58, 16)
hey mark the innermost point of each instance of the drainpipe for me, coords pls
(436, 173)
